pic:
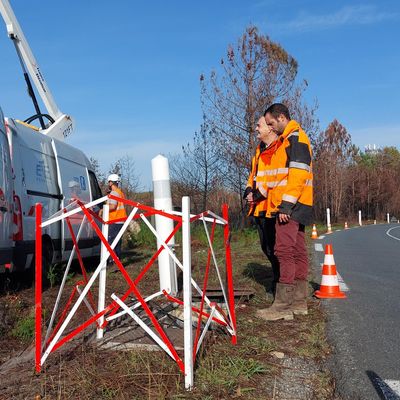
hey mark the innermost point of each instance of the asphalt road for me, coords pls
(365, 328)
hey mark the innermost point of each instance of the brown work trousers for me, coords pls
(291, 251)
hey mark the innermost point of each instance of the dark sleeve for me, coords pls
(286, 207)
(298, 154)
(257, 196)
(247, 191)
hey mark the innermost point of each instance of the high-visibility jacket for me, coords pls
(255, 183)
(119, 214)
(289, 177)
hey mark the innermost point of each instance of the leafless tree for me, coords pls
(195, 171)
(333, 156)
(254, 73)
(348, 180)
(100, 175)
(125, 168)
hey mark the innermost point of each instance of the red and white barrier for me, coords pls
(116, 307)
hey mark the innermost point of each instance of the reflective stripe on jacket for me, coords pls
(119, 213)
(288, 178)
(259, 165)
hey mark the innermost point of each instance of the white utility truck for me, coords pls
(38, 166)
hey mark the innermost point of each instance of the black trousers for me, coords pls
(113, 230)
(266, 232)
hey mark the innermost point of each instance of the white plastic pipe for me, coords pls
(103, 273)
(164, 225)
(359, 218)
(388, 218)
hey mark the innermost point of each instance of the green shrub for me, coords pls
(199, 234)
(25, 329)
(145, 237)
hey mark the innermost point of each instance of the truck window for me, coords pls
(94, 186)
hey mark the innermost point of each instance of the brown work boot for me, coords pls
(299, 305)
(281, 307)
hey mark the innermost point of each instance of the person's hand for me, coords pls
(250, 198)
(283, 218)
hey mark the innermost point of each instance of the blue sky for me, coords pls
(128, 72)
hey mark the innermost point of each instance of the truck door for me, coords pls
(74, 184)
(6, 193)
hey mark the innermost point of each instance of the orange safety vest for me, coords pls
(119, 213)
(289, 178)
(259, 164)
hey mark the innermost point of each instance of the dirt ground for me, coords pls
(283, 360)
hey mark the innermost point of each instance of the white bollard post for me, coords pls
(103, 273)
(359, 218)
(328, 220)
(164, 226)
(388, 218)
(187, 293)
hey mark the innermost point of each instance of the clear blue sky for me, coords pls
(128, 71)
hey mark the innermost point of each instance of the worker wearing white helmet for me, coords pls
(117, 211)
(74, 196)
(75, 189)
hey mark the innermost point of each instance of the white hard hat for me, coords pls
(113, 178)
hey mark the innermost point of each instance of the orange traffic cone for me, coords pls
(345, 225)
(314, 234)
(329, 229)
(329, 288)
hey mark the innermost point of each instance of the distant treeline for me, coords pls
(214, 167)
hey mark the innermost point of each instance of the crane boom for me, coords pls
(63, 124)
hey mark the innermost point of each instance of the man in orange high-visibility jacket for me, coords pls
(117, 214)
(290, 198)
(256, 196)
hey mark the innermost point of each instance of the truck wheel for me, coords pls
(46, 259)
(45, 272)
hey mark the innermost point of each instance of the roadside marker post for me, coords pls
(328, 221)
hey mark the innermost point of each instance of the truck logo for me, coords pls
(42, 172)
(67, 131)
(82, 182)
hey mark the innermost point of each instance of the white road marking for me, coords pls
(394, 385)
(337, 230)
(393, 237)
(342, 285)
(321, 237)
(318, 247)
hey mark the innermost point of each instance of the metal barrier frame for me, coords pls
(106, 312)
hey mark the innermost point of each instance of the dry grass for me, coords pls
(223, 371)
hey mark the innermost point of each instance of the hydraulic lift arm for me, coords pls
(61, 124)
